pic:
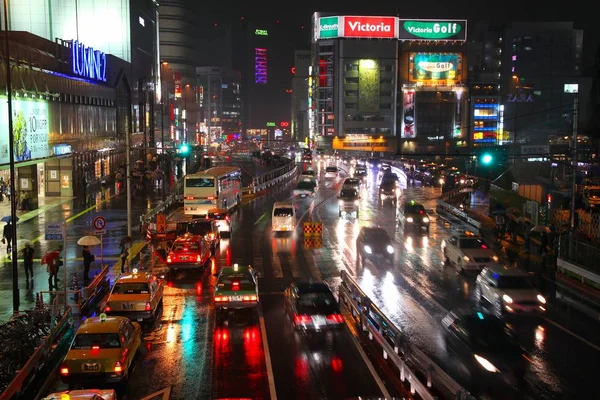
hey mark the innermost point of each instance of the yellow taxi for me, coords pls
(137, 296)
(103, 350)
(83, 394)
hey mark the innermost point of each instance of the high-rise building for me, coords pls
(300, 74)
(530, 63)
(220, 102)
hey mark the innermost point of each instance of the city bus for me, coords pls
(218, 187)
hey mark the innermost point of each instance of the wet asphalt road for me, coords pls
(187, 352)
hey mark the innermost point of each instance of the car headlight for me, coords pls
(507, 299)
(466, 258)
(486, 364)
(398, 192)
(541, 299)
(356, 202)
(390, 249)
(462, 181)
(442, 181)
(409, 219)
(426, 220)
(368, 249)
(495, 258)
(341, 202)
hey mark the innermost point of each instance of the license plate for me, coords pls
(284, 228)
(183, 258)
(91, 367)
(236, 298)
(318, 320)
(127, 306)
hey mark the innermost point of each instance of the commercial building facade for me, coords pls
(299, 117)
(384, 84)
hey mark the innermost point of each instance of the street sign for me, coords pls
(161, 224)
(99, 225)
(54, 232)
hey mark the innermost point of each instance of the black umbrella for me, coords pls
(124, 240)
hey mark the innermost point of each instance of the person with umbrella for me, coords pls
(53, 262)
(88, 258)
(7, 236)
(28, 260)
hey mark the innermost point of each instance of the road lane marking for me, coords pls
(592, 345)
(260, 218)
(296, 271)
(276, 266)
(270, 376)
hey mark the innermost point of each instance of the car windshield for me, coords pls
(182, 247)
(489, 333)
(200, 228)
(473, 244)
(130, 288)
(388, 184)
(308, 172)
(199, 182)
(414, 209)
(316, 299)
(283, 212)
(377, 235)
(331, 169)
(86, 341)
(513, 282)
(306, 185)
(351, 193)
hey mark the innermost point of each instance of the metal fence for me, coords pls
(588, 222)
(582, 254)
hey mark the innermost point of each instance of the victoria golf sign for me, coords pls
(432, 29)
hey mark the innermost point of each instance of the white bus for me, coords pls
(218, 187)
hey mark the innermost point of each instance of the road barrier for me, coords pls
(272, 178)
(417, 372)
(312, 229)
(450, 209)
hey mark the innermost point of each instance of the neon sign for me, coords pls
(87, 62)
(260, 66)
(261, 32)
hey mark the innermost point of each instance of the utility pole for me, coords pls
(574, 162)
(128, 161)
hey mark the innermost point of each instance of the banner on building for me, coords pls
(368, 86)
(408, 118)
(177, 77)
(30, 129)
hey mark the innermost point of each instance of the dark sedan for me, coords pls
(312, 306)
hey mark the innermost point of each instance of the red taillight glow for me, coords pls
(148, 307)
(211, 198)
(64, 371)
(189, 197)
(118, 368)
(199, 289)
(219, 299)
(335, 318)
(302, 319)
(169, 259)
(107, 309)
(198, 258)
(483, 246)
(235, 285)
(95, 347)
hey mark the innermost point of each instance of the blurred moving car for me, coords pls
(485, 344)
(413, 217)
(349, 202)
(189, 251)
(309, 173)
(137, 296)
(361, 172)
(389, 190)
(236, 288)
(468, 252)
(353, 183)
(103, 350)
(284, 217)
(331, 172)
(312, 306)
(221, 218)
(83, 394)
(508, 290)
(208, 229)
(305, 189)
(374, 244)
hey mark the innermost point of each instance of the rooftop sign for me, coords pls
(425, 29)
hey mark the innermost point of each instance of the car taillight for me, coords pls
(118, 368)
(169, 259)
(301, 319)
(211, 198)
(249, 298)
(199, 289)
(335, 318)
(107, 309)
(227, 218)
(198, 258)
(148, 307)
(64, 371)
(220, 299)
(235, 285)
(189, 197)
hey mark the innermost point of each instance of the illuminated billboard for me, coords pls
(260, 66)
(435, 67)
(408, 114)
(328, 27)
(369, 27)
(368, 86)
(427, 29)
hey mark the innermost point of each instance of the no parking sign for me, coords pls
(99, 225)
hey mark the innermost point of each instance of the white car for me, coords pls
(309, 173)
(331, 172)
(469, 253)
(509, 291)
(85, 394)
(222, 220)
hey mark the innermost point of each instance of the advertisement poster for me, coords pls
(408, 119)
(368, 86)
(369, 27)
(434, 66)
(30, 129)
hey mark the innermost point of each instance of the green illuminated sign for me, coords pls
(271, 124)
(261, 32)
(433, 30)
(328, 27)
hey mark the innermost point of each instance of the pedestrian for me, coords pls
(124, 256)
(511, 229)
(28, 260)
(500, 221)
(88, 258)
(544, 243)
(52, 260)
(7, 237)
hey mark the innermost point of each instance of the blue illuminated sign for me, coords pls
(87, 62)
(62, 149)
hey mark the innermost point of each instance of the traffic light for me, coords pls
(486, 158)
(184, 149)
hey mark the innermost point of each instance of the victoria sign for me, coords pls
(432, 30)
(370, 27)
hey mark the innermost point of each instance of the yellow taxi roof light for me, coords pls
(236, 266)
(102, 317)
(135, 270)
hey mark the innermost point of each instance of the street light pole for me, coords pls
(574, 163)
(11, 151)
(128, 161)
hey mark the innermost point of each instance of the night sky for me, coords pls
(298, 13)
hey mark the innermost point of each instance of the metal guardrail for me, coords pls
(271, 178)
(579, 253)
(37, 359)
(424, 377)
(442, 205)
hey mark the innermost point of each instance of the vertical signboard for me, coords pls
(368, 86)
(457, 131)
(408, 114)
(177, 77)
(260, 65)
(30, 129)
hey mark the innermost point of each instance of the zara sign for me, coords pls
(87, 62)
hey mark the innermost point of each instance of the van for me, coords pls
(284, 217)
